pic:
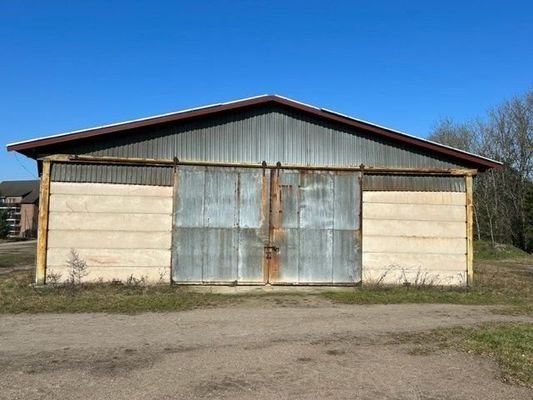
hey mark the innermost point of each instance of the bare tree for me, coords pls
(505, 134)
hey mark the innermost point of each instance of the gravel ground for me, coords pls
(256, 350)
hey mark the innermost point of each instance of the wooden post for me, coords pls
(469, 230)
(42, 233)
(175, 181)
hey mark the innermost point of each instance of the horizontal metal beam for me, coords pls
(177, 162)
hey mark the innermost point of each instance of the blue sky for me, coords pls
(66, 65)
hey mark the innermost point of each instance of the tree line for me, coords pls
(503, 198)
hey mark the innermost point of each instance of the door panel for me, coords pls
(315, 263)
(252, 225)
(315, 227)
(221, 225)
(346, 256)
(316, 200)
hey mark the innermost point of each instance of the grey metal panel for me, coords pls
(346, 256)
(188, 253)
(221, 255)
(316, 256)
(324, 245)
(250, 210)
(251, 249)
(428, 183)
(316, 200)
(314, 223)
(191, 197)
(288, 255)
(252, 193)
(269, 133)
(228, 207)
(290, 199)
(346, 201)
(346, 262)
(119, 174)
(220, 193)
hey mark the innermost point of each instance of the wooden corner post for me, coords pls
(42, 230)
(469, 230)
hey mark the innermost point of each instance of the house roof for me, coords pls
(32, 147)
(28, 190)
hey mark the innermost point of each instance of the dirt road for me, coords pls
(245, 352)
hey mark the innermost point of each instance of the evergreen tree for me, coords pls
(4, 225)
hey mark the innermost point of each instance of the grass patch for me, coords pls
(16, 259)
(496, 282)
(511, 345)
(429, 295)
(17, 253)
(17, 296)
(486, 251)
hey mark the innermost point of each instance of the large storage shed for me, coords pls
(258, 191)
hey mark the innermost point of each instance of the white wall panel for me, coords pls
(414, 237)
(119, 230)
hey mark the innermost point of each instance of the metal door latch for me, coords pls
(269, 250)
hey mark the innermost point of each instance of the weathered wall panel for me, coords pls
(415, 212)
(412, 183)
(414, 237)
(109, 203)
(427, 229)
(431, 198)
(316, 227)
(221, 225)
(116, 174)
(269, 133)
(119, 230)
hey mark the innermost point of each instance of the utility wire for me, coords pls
(26, 169)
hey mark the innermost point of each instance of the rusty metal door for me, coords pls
(315, 227)
(220, 225)
(258, 226)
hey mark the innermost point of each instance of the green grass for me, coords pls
(511, 345)
(507, 283)
(21, 254)
(8, 260)
(486, 251)
(497, 281)
(18, 296)
(434, 295)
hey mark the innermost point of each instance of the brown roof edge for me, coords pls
(480, 162)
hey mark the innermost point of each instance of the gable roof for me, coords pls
(28, 190)
(31, 147)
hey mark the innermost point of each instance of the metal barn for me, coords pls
(264, 190)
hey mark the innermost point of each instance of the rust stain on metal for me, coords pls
(237, 200)
(271, 252)
(361, 180)
(265, 220)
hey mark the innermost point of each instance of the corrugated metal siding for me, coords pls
(316, 227)
(241, 225)
(125, 174)
(415, 183)
(221, 225)
(269, 133)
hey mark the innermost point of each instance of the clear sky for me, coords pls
(66, 65)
